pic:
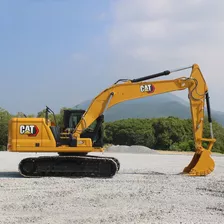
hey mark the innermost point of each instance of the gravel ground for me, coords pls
(147, 189)
(131, 149)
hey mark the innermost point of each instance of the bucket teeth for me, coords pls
(200, 165)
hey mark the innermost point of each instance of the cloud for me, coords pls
(166, 34)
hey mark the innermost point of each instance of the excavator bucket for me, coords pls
(200, 165)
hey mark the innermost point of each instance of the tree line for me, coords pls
(169, 133)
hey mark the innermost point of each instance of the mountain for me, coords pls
(163, 105)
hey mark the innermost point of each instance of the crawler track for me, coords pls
(69, 166)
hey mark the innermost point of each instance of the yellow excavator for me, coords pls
(83, 133)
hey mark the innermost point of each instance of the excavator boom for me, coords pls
(202, 163)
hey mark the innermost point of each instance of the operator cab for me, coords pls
(70, 120)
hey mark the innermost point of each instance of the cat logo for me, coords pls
(147, 88)
(30, 130)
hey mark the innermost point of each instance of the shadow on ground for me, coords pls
(154, 173)
(142, 173)
(7, 174)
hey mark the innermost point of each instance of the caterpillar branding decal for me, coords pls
(30, 130)
(147, 88)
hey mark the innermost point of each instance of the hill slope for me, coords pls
(152, 107)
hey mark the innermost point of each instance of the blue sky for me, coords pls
(44, 49)
(62, 52)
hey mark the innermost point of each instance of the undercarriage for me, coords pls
(69, 166)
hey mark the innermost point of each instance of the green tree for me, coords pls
(4, 119)
(129, 132)
(218, 131)
(161, 133)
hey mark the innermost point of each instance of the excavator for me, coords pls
(83, 130)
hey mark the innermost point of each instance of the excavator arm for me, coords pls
(139, 88)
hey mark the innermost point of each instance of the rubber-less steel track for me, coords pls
(69, 166)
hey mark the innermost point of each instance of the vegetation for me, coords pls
(4, 118)
(169, 133)
(160, 133)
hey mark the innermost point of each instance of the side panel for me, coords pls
(34, 135)
(29, 135)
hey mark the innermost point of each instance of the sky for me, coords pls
(60, 53)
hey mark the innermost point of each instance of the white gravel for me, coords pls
(147, 189)
(131, 149)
